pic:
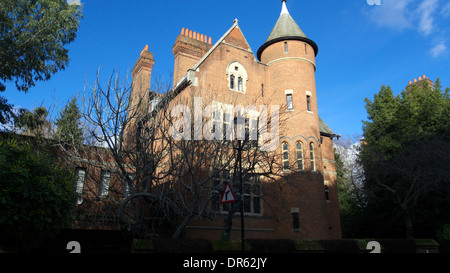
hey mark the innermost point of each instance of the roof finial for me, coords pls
(284, 9)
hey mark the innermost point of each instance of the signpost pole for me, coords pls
(242, 195)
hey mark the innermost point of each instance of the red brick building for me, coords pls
(303, 204)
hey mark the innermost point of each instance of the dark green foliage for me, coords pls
(405, 159)
(182, 246)
(31, 122)
(271, 246)
(32, 39)
(340, 246)
(6, 111)
(36, 196)
(397, 245)
(69, 125)
(91, 241)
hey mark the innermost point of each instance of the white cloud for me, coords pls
(425, 11)
(438, 49)
(402, 14)
(392, 14)
(427, 17)
(74, 2)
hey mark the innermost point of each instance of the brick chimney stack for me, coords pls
(141, 74)
(188, 49)
(420, 82)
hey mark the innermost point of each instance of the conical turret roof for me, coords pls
(285, 26)
(286, 29)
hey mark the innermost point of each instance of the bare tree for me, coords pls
(413, 173)
(163, 153)
(348, 147)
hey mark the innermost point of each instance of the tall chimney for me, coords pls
(189, 48)
(141, 74)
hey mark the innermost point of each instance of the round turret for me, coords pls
(290, 56)
(286, 29)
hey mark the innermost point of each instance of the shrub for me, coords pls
(272, 246)
(398, 245)
(182, 245)
(340, 246)
(36, 195)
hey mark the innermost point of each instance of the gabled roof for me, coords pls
(243, 44)
(237, 40)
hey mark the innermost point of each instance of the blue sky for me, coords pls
(361, 47)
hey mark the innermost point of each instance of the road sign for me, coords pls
(228, 195)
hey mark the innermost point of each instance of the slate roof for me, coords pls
(285, 26)
(286, 29)
(324, 129)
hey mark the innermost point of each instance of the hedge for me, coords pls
(279, 246)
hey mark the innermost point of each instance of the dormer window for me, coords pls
(237, 77)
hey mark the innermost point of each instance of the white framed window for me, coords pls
(289, 99)
(285, 159)
(290, 105)
(154, 103)
(311, 154)
(80, 174)
(308, 101)
(128, 184)
(237, 77)
(227, 126)
(105, 181)
(230, 122)
(299, 148)
(327, 192)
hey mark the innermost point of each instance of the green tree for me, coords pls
(33, 123)
(32, 39)
(36, 195)
(68, 124)
(405, 156)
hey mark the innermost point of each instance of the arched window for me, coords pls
(285, 157)
(299, 156)
(237, 72)
(311, 154)
(232, 82)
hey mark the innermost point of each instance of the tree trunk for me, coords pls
(408, 224)
(227, 223)
(182, 226)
